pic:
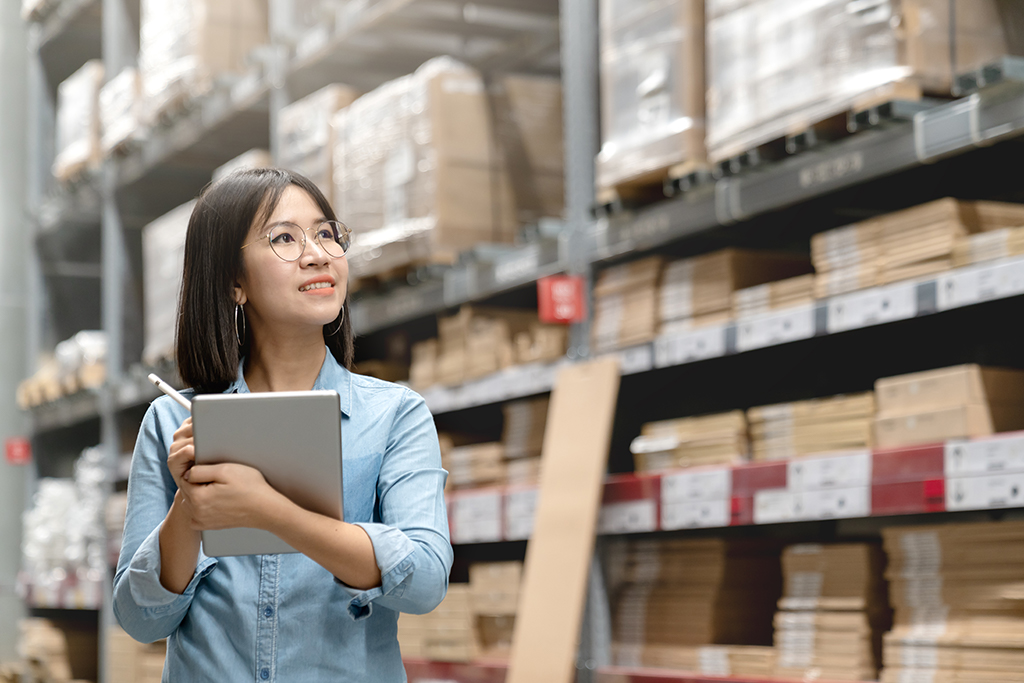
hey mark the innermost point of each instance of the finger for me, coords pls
(185, 430)
(205, 474)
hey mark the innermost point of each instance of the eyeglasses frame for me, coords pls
(345, 231)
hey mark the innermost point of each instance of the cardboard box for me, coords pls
(163, 263)
(652, 90)
(541, 343)
(305, 135)
(495, 587)
(689, 441)
(773, 296)
(823, 425)
(942, 424)
(423, 370)
(78, 122)
(524, 426)
(475, 465)
(948, 387)
(186, 47)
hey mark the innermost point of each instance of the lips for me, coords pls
(316, 284)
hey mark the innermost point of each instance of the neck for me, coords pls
(284, 362)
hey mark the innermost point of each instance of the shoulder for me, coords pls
(165, 411)
(372, 387)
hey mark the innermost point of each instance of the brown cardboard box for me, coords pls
(773, 296)
(941, 424)
(541, 343)
(948, 387)
(306, 140)
(475, 465)
(524, 425)
(988, 246)
(689, 441)
(494, 587)
(789, 430)
(652, 115)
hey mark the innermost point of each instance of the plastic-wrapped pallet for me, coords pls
(304, 133)
(163, 261)
(776, 66)
(186, 46)
(652, 89)
(78, 121)
(120, 110)
(956, 591)
(424, 169)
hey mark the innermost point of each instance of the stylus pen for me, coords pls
(169, 390)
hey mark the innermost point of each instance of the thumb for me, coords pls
(204, 474)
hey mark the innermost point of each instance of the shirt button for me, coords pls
(265, 674)
(268, 612)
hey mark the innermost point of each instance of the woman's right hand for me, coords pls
(183, 453)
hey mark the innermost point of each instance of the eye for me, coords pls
(326, 234)
(281, 238)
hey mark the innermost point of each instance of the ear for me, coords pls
(240, 297)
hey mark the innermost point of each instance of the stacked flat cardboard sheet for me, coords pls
(626, 304)
(475, 465)
(823, 425)
(958, 595)
(305, 134)
(701, 288)
(833, 613)
(988, 246)
(672, 596)
(685, 442)
(916, 242)
(495, 592)
(448, 634)
(773, 296)
(949, 403)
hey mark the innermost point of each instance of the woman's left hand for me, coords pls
(228, 496)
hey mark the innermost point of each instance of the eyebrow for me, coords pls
(271, 226)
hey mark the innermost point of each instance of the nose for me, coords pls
(312, 252)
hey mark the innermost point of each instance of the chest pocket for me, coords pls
(359, 484)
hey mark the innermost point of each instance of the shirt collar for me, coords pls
(332, 377)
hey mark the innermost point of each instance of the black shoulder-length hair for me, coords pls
(207, 348)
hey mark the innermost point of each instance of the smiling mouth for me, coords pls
(316, 285)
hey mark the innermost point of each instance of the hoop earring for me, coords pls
(239, 333)
(340, 323)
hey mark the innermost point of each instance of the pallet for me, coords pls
(898, 101)
(652, 186)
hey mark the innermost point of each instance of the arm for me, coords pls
(145, 608)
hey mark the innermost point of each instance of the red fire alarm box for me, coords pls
(18, 450)
(560, 299)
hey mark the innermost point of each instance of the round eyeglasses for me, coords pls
(289, 240)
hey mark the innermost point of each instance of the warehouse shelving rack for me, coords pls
(86, 237)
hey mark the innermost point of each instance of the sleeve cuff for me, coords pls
(394, 552)
(144, 577)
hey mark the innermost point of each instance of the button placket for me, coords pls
(266, 622)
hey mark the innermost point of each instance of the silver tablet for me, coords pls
(292, 437)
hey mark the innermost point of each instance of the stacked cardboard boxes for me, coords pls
(134, 662)
(523, 439)
(949, 403)
(78, 122)
(652, 90)
(163, 262)
(822, 425)
(421, 169)
(495, 592)
(700, 290)
(988, 246)
(956, 590)
(673, 596)
(915, 242)
(120, 110)
(186, 47)
(705, 440)
(445, 635)
(889, 50)
(626, 304)
(475, 342)
(541, 343)
(475, 465)
(773, 296)
(833, 613)
(305, 135)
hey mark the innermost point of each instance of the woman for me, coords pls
(263, 308)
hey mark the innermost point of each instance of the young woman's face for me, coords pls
(308, 292)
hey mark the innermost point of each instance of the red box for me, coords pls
(747, 479)
(908, 497)
(913, 463)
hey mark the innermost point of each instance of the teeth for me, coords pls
(315, 285)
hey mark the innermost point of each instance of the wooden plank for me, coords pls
(558, 556)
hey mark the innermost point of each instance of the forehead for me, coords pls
(295, 205)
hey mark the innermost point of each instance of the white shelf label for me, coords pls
(698, 484)
(691, 346)
(477, 517)
(989, 456)
(837, 503)
(636, 359)
(778, 327)
(520, 511)
(772, 506)
(825, 472)
(985, 492)
(629, 517)
(872, 307)
(973, 285)
(696, 514)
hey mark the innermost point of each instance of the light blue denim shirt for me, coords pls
(284, 617)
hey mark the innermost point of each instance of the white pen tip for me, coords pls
(154, 379)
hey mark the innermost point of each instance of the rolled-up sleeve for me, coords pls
(411, 543)
(145, 609)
